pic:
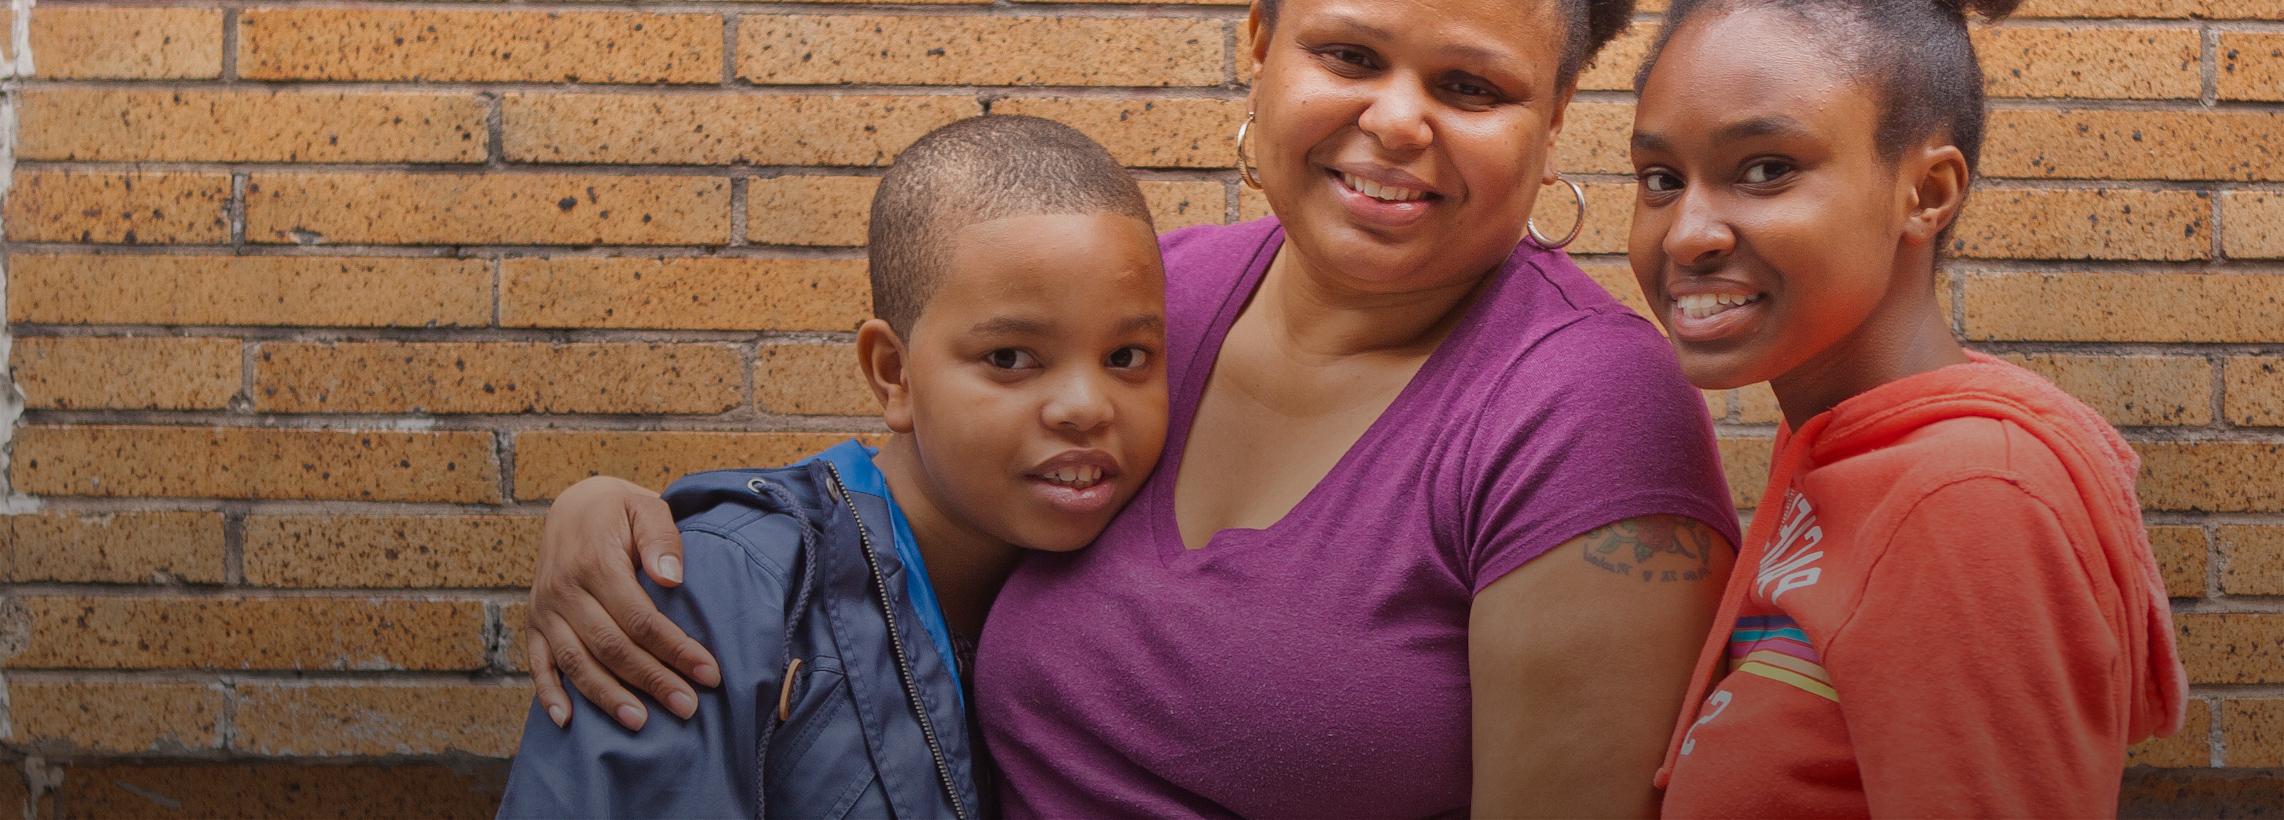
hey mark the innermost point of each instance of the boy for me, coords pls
(1019, 319)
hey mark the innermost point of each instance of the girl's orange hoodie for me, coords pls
(1946, 606)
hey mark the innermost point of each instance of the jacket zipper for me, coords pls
(896, 643)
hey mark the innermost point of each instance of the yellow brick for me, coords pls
(1609, 215)
(112, 548)
(2147, 9)
(387, 551)
(1179, 204)
(811, 379)
(1594, 141)
(370, 719)
(906, 49)
(547, 461)
(95, 373)
(479, 46)
(2211, 476)
(1614, 67)
(2182, 558)
(477, 209)
(516, 655)
(830, 211)
(2066, 60)
(2124, 307)
(2253, 224)
(1746, 461)
(205, 632)
(1616, 277)
(2253, 731)
(2252, 66)
(128, 125)
(129, 208)
(2100, 144)
(716, 129)
(2191, 747)
(175, 462)
(2253, 394)
(232, 290)
(684, 294)
(496, 377)
(243, 788)
(1237, 3)
(2020, 223)
(2242, 9)
(2252, 559)
(63, 716)
(1146, 133)
(2132, 391)
(2232, 648)
(808, 210)
(126, 43)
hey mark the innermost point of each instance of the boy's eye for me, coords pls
(1767, 170)
(1008, 358)
(1658, 182)
(1129, 358)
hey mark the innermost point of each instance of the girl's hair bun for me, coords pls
(1990, 10)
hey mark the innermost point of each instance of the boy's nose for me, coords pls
(1080, 404)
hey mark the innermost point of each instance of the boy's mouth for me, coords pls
(1077, 482)
(1077, 478)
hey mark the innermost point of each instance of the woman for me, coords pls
(1386, 406)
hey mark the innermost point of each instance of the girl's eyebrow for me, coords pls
(1776, 125)
(1769, 126)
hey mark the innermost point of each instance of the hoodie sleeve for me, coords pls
(701, 767)
(1978, 675)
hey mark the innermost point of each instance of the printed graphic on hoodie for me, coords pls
(1959, 558)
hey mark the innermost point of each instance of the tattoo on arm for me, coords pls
(1656, 549)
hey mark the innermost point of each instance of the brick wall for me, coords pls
(313, 307)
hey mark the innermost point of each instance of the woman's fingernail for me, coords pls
(682, 704)
(708, 675)
(555, 713)
(670, 568)
(630, 715)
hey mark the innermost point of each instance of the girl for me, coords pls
(1946, 604)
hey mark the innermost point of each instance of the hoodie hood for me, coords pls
(2100, 465)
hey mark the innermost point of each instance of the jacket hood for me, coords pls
(2100, 465)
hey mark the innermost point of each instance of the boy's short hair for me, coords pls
(977, 170)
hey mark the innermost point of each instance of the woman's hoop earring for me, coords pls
(1245, 169)
(1532, 224)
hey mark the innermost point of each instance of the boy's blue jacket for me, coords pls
(780, 565)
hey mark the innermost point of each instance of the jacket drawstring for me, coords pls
(785, 504)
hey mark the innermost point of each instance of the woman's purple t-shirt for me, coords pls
(1319, 667)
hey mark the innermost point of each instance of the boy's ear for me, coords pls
(1939, 178)
(886, 364)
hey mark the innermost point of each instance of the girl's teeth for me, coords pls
(1704, 305)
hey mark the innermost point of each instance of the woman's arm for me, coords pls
(591, 620)
(1579, 660)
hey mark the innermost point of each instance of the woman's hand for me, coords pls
(586, 605)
